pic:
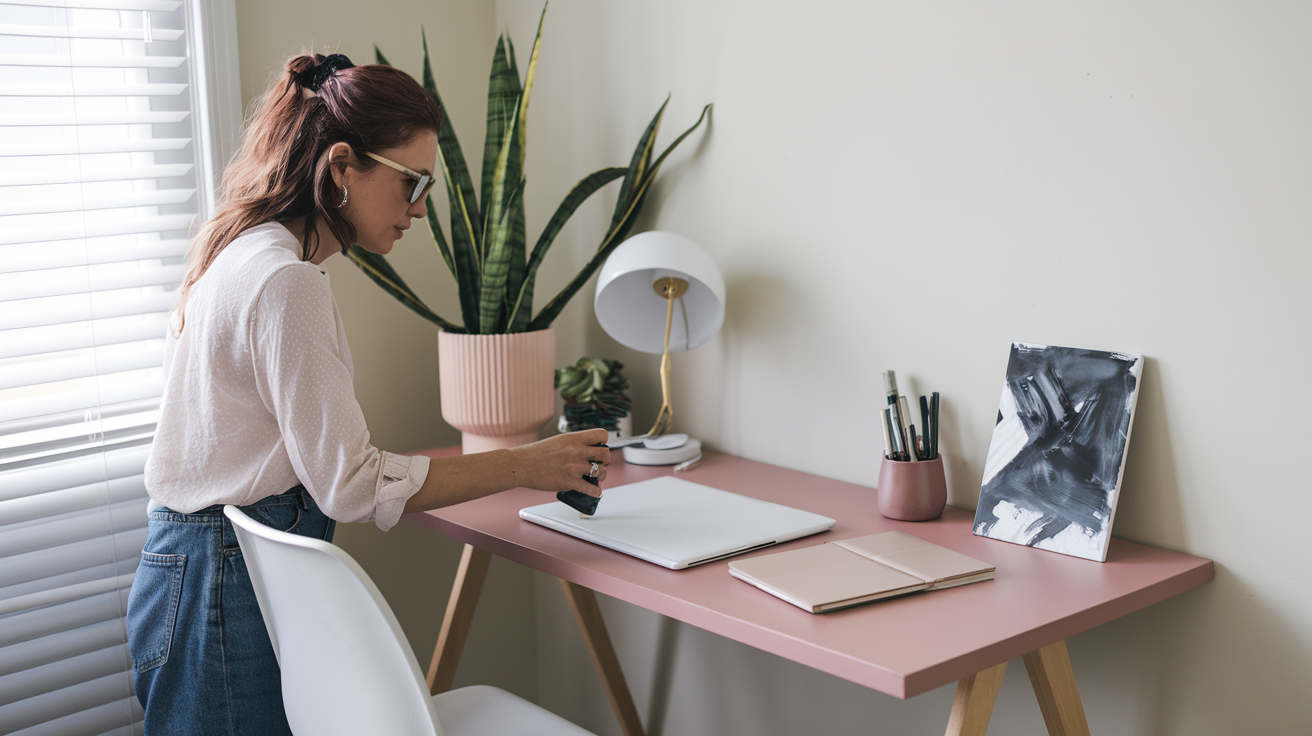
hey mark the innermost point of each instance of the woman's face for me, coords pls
(378, 199)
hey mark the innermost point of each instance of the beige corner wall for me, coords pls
(916, 185)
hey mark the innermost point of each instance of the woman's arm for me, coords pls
(552, 465)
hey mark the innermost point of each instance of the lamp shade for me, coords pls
(630, 309)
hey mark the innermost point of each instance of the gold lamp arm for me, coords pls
(671, 288)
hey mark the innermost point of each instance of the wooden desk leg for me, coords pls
(584, 603)
(973, 706)
(1054, 686)
(459, 615)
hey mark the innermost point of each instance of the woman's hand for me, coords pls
(555, 464)
(561, 463)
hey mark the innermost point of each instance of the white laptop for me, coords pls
(677, 524)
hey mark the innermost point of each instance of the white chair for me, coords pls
(346, 666)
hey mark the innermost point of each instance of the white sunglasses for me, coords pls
(423, 182)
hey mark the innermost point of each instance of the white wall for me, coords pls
(914, 186)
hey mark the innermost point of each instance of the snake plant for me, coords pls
(487, 254)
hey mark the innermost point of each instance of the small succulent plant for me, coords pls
(594, 393)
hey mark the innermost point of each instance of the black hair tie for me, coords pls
(314, 77)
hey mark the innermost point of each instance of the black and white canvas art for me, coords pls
(1054, 467)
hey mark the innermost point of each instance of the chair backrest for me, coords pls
(346, 666)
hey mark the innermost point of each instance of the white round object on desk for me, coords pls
(665, 441)
(639, 455)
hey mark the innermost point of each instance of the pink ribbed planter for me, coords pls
(497, 389)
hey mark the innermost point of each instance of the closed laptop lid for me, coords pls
(676, 523)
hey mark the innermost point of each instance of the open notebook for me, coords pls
(850, 572)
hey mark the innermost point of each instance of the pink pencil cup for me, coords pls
(912, 491)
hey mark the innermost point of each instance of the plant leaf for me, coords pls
(616, 234)
(435, 230)
(498, 238)
(503, 157)
(493, 311)
(528, 86)
(465, 260)
(638, 164)
(519, 281)
(464, 252)
(521, 312)
(515, 277)
(503, 93)
(621, 229)
(585, 188)
(378, 55)
(377, 268)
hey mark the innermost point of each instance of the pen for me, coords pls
(922, 446)
(890, 420)
(933, 437)
(899, 437)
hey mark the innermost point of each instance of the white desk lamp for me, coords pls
(660, 293)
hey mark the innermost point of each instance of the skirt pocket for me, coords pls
(153, 608)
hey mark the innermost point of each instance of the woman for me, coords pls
(258, 408)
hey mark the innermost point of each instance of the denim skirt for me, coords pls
(202, 661)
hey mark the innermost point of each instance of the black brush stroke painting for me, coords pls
(1058, 448)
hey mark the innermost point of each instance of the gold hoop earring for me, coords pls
(345, 195)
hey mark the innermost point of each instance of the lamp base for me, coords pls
(639, 455)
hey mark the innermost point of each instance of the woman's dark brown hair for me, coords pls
(282, 171)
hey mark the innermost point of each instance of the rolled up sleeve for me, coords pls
(401, 479)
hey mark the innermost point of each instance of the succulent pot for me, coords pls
(623, 428)
(497, 389)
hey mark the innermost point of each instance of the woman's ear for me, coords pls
(340, 158)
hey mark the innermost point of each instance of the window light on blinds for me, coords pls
(99, 186)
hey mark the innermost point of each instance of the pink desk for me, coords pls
(901, 647)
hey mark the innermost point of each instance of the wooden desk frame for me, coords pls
(1049, 667)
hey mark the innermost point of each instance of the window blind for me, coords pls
(102, 174)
